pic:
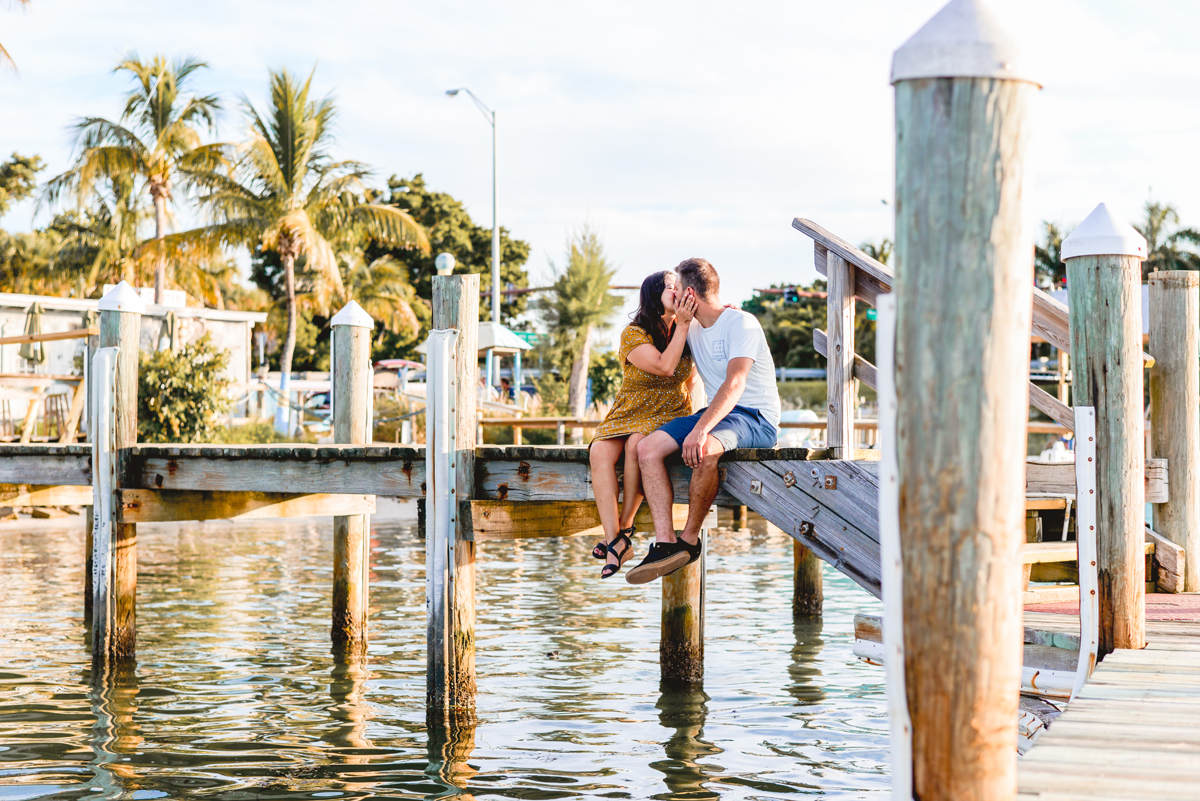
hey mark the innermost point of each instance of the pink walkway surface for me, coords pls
(1159, 606)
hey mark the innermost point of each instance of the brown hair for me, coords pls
(701, 277)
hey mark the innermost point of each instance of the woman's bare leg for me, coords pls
(603, 457)
(633, 481)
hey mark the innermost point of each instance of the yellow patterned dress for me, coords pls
(645, 401)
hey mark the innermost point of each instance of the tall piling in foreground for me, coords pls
(1174, 417)
(962, 362)
(351, 377)
(1103, 257)
(114, 610)
(450, 584)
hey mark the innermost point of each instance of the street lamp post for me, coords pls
(490, 116)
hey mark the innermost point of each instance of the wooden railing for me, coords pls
(854, 276)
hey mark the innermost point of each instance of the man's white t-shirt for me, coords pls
(736, 334)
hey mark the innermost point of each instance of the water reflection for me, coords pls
(238, 695)
(682, 708)
(807, 684)
(115, 736)
(347, 684)
(451, 743)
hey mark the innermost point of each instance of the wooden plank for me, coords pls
(160, 506)
(33, 495)
(307, 473)
(1059, 479)
(832, 538)
(74, 415)
(1045, 504)
(46, 469)
(75, 333)
(1171, 560)
(1051, 406)
(513, 520)
(864, 371)
(561, 481)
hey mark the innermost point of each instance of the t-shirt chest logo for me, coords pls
(718, 350)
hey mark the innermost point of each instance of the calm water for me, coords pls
(236, 695)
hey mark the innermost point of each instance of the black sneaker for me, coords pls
(664, 558)
(693, 551)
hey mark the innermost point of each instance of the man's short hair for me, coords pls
(701, 277)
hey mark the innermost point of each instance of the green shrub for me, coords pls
(260, 432)
(180, 393)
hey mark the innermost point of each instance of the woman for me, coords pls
(656, 372)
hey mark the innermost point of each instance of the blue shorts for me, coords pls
(743, 427)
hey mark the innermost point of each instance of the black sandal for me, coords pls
(610, 570)
(601, 549)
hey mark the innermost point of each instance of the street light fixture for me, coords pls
(490, 116)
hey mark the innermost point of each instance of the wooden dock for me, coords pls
(1130, 734)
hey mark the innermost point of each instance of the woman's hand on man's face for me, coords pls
(685, 307)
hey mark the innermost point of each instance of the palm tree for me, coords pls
(1047, 261)
(100, 244)
(286, 195)
(156, 141)
(5, 58)
(580, 303)
(1167, 249)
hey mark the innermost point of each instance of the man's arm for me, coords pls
(727, 397)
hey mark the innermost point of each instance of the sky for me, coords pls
(674, 129)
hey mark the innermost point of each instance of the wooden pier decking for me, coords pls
(1133, 732)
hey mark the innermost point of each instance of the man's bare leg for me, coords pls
(702, 491)
(652, 454)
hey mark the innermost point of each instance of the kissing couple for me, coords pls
(680, 334)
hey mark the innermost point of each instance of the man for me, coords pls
(732, 357)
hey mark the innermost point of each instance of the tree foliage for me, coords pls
(180, 393)
(1048, 265)
(18, 179)
(1168, 245)
(451, 230)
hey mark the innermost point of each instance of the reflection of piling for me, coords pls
(347, 682)
(808, 590)
(683, 710)
(681, 647)
(807, 685)
(451, 742)
(351, 383)
(1104, 273)
(964, 253)
(115, 620)
(1175, 425)
(115, 735)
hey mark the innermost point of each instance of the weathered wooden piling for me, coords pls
(681, 642)
(964, 312)
(451, 630)
(1103, 257)
(115, 614)
(351, 376)
(808, 589)
(1174, 418)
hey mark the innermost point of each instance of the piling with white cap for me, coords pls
(121, 312)
(964, 253)
(1104, 256)
(351, 377)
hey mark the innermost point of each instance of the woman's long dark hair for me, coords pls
(649, 315)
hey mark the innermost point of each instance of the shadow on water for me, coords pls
(682, 709)
(807, 684)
